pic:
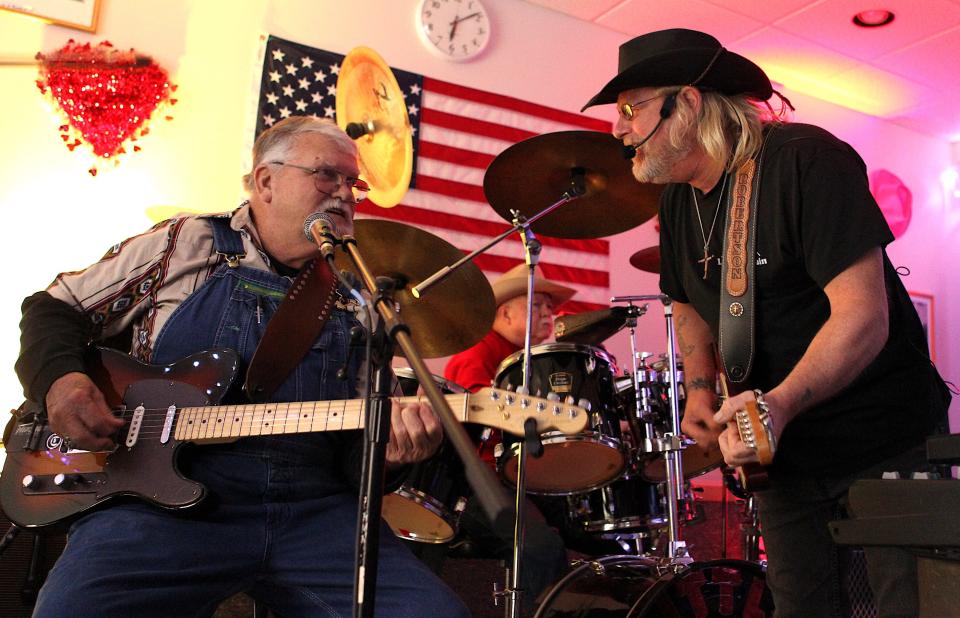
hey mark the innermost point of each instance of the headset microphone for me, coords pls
(669, 104)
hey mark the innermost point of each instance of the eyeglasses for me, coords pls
(627, 110)
(325, 178)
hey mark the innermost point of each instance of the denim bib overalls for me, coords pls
(279, 520)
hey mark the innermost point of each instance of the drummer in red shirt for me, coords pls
(544, 556)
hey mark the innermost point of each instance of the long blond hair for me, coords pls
(728, 128)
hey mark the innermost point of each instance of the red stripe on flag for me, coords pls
(572, 307)
(556, 272)
(459, 156)
(460, 223)
(472, 125)
(524, 107)
(451, 188)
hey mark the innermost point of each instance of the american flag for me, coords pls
(457, 132)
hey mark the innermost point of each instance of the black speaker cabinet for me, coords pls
(24, 565)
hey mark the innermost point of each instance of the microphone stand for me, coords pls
(377, 431)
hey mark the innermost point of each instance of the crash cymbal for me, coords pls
(449, 317)
(592, 327)
(647, 259)
(370, 104)
(535, 173)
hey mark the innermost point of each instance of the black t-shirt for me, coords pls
(816, 217)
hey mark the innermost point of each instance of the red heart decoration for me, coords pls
(107, 96)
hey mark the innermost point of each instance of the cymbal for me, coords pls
(452, 315)
(368, 96)
(533, 174)
(592, 327)
(647, 259)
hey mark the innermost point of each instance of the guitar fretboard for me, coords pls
(220, 422)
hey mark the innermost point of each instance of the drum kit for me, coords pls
(624, 478)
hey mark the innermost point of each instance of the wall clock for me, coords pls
(454, 29)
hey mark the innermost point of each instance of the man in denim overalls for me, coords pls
(279, 521)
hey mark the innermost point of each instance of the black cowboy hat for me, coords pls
(683, 57)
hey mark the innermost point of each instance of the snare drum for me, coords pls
(428, 505)
(570, 463)
(632, 587)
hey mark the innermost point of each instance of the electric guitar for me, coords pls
(44, 483)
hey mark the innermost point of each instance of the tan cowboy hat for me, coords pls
(513, 283)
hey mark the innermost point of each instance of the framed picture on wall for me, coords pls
(79, 14)
(923, 303)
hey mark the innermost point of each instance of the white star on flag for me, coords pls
(291, 69)
(316, 98)
(319, 76)
(307, 62)
(332, 91)
(301, 105)
(304, 83)
(415, 89)
(413, 109)
(269, 120)
(278, 55)
(284, 112)
(272, 98)
(274, 76)
(335, 69)
(329, 111)
(287, 91)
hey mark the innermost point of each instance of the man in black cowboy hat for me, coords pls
(815, 329)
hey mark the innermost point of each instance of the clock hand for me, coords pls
(453, 27)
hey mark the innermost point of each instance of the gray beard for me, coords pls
(656, 166)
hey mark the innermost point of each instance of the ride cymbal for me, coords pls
(533, 174)
(453, 314)
(370, 108)
(647, 259)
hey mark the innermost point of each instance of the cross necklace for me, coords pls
(707, 257)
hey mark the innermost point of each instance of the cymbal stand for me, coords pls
(671, 444)
(531, 442)
(376, 434)
(643, 412)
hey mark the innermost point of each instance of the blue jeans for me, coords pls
(803, 570)
(288, 550)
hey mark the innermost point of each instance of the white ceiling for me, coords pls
(907, 72)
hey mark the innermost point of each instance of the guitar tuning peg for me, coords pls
(568, 400)
(551, 396)
(585, 404)
(523, 390)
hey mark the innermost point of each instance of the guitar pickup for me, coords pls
(62, 483)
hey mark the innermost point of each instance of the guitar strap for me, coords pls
(292, 330)
(737, 283)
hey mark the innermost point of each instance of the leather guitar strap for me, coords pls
(737, 285)
(292, 330)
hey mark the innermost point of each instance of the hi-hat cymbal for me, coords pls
(452, 315)
(647, 259)
(592, 327)
(368, 96)
(535, 173)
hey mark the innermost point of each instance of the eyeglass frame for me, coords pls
(631, 115)
(352, 182)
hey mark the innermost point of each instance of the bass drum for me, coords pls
(630, 587)
(427, 507)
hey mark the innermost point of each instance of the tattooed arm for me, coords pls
(700, 375)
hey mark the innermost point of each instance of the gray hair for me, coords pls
(729, 128)
(275, 143)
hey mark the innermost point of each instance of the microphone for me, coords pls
(356, 130)
(321, 229)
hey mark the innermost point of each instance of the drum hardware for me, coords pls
(672, 445)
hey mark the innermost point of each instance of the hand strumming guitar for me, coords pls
(78, 412)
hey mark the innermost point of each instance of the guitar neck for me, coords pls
(214, 423)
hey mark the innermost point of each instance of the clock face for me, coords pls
(454, 29)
